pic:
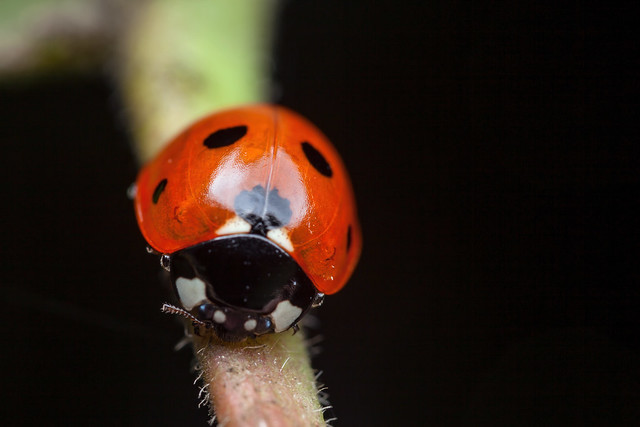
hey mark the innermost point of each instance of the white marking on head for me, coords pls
(191, 292)
(284, 315)
(281, 237)
(250, 324)
(235, 225)
(219, 316)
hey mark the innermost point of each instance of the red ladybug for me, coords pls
(254, 215)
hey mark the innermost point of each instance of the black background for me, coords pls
(492, 150)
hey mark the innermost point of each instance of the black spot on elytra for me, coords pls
(263, 211)
(316, 159)
(224, 137)
(348, 238)
(158, 191)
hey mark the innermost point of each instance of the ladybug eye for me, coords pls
(317, 160)
(224, 137)
(158, 191)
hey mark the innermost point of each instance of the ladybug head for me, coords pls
(241, 286)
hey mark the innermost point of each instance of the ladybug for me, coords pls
(252, 213)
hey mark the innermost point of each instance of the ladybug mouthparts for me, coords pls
(240, 286)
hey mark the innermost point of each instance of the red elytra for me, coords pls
(190, 191)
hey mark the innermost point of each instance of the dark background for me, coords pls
(492, 149)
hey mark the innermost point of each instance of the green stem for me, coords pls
(178, 61)
(183, 59)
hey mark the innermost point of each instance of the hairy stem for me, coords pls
(263, 382)
(180, 60)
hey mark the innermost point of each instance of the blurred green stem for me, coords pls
(182, 59)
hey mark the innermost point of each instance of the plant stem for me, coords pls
(263, 382)
(180, 60)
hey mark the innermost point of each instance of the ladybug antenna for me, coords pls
(172, 309)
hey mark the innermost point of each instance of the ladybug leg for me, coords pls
(295, 328)
(152, 251)
(196, 329)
